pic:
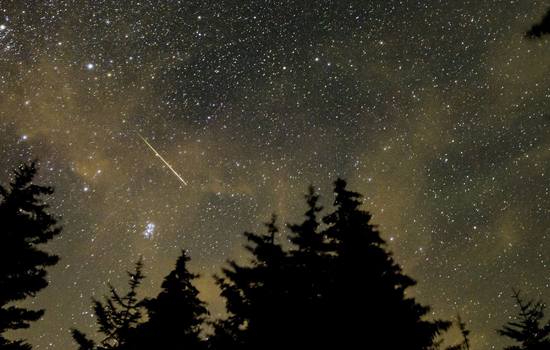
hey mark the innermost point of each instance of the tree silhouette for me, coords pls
(308, 269)
(367, 294)
(539, 29)
(306, 236)
(255, 296)
(175, 315)
(465, 344)
(527, 329)
(117, 317)
(83, 342)
(339, 289)
(25, 225)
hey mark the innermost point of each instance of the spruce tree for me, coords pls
(175, 316)
(340, 288)
(305, 235)
(366, 301)
(255, 296)
(541, 28)
(307, 270)
(26, 225)
(117, 317)
(526, 329)
(465, 344)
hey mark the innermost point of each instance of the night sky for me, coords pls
(436, 111)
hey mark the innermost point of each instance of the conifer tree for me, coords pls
(465, 344)
(339, 289)
(175, 315)
(307, 270)
(117, 317)
(526, 329)
(367, 301)
(255, 296)
(82, 340)
(305, 235)
(541, 28)
(267, 253)
(26, 225)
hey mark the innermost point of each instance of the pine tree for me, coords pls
(465, 344)
(339, 289)
(527, 329)
(25, 226)
(175, 315)
(255, 296)
(117, 317)
(267, 253)
(82, 340)
(540, 29)
(305, 235)
(367, 282)
(307, 270)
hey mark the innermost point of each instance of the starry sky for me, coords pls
(437, 111)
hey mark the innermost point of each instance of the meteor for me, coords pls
(165, 162)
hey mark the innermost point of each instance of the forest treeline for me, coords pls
(337, 286)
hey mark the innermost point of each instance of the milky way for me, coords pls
(436, 111)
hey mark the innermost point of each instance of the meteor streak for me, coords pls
(165, 162)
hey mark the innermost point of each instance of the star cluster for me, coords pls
(436, 111)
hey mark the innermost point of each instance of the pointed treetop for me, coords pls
(527, 328)
(305, 235)
(265, 250)
(349, 224)
(25, 224)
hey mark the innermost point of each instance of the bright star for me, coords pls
(148, 233)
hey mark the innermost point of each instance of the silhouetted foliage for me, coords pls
(465, 344)
(117, 317)
(465, 333)
(175, 315)
(309, 270)
(83, 341)
(25, 225)
(257, 297)
(541, 28)
(526, 329)
(340, 288)
(366, 281)
(306, 236)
